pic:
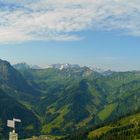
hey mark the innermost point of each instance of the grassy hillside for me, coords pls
(68, 100)
(127, 128)
(78, 98)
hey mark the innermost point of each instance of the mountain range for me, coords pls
(60, 101)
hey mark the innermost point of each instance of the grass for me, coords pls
(133, 119)
(106, 112)
(56, 123)
(99, 132)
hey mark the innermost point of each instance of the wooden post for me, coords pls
(13, 136)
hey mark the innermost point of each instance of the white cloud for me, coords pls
(22, 20)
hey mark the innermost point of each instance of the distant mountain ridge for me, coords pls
(24, 65)
(64, 66)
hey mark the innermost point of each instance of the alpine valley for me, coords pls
(70, 102)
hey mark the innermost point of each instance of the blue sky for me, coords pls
(97, 33)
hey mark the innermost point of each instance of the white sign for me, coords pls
(16, 120)
(11, 123)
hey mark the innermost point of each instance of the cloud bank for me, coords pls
(60, 20)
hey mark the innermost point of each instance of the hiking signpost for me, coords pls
(11, 124)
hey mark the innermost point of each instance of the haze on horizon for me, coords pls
(98, 33)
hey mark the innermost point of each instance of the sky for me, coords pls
(95, 33)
